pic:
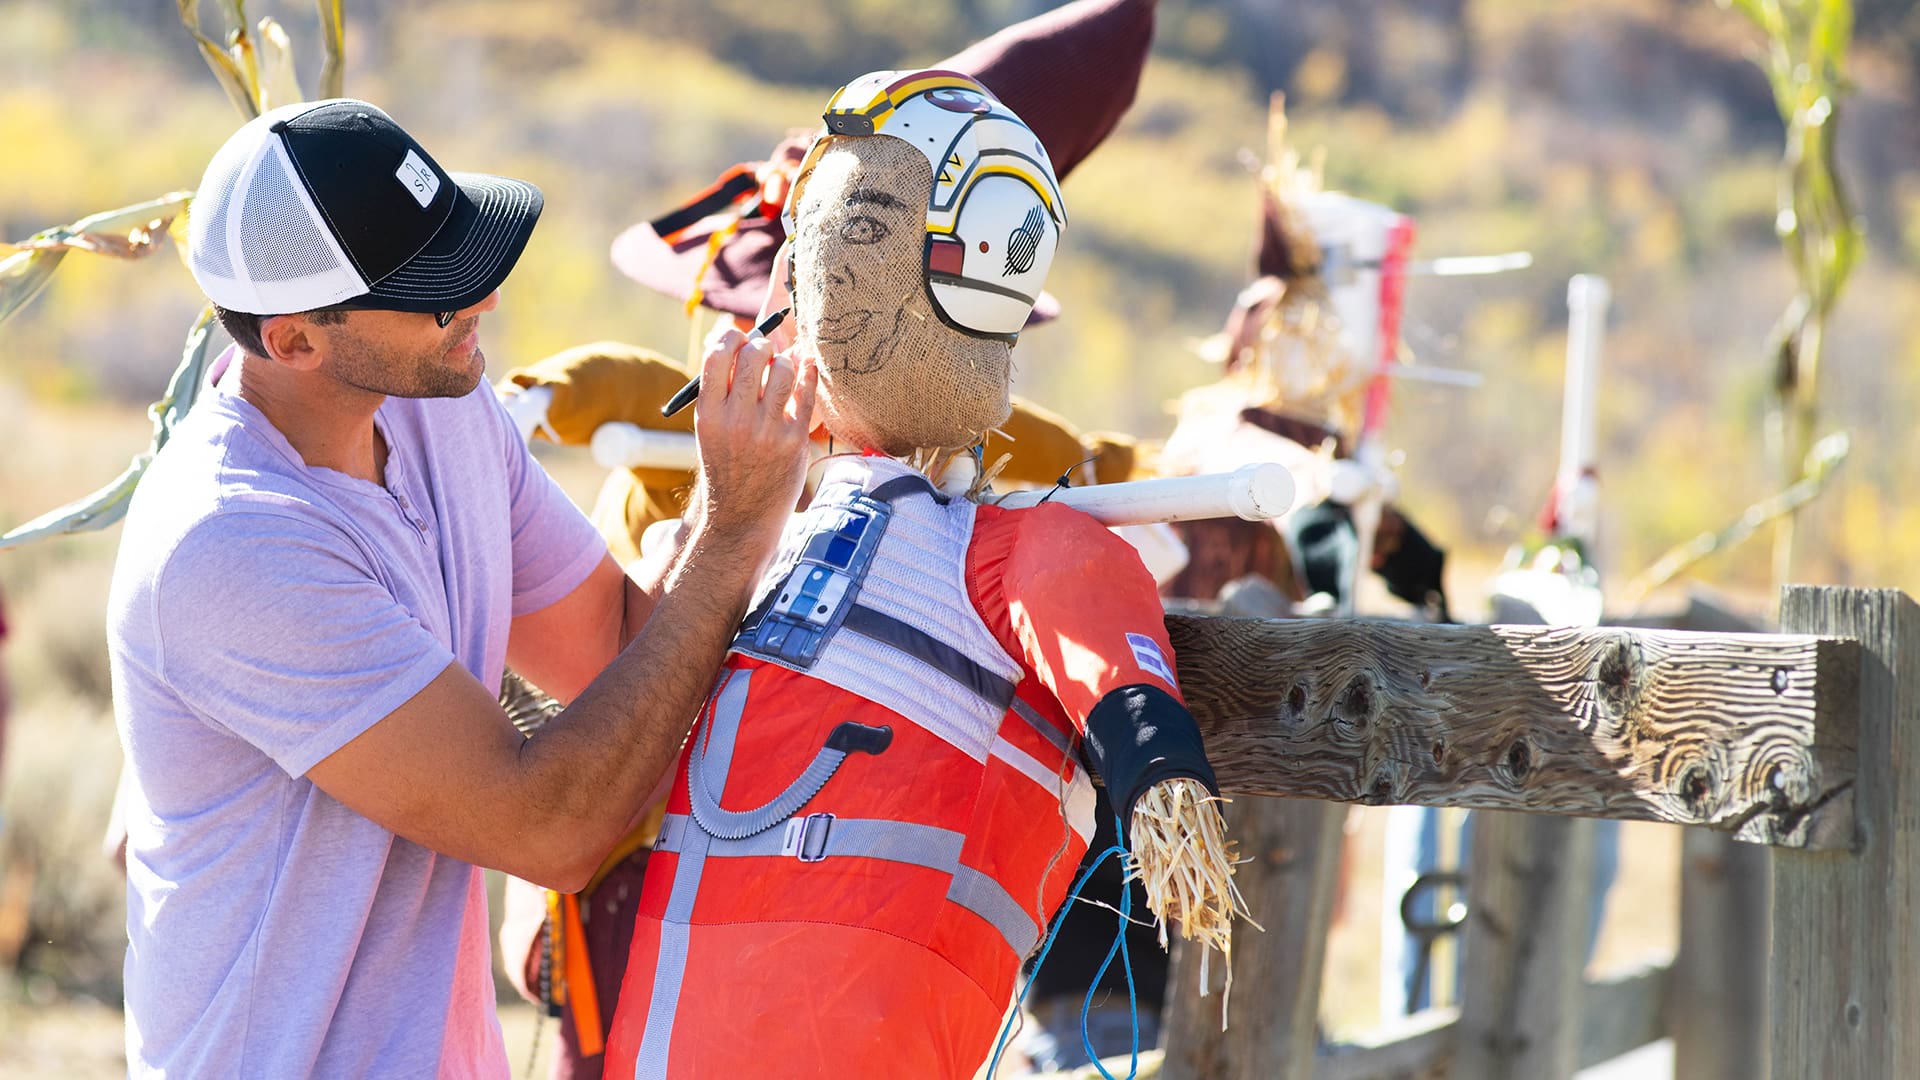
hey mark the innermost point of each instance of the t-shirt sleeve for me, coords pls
(555, 547)
(275, 629)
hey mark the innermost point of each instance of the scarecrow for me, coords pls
(881, 804)
(1071, 73)
(1304, 356)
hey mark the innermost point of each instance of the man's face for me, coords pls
(407, 354)
(894, 377)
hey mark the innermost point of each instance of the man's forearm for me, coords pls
(592, 767)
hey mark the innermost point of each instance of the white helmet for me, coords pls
(989, 244)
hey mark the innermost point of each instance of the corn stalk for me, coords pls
(1805, 61)
(256, 72)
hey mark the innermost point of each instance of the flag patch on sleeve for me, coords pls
(1147, 654)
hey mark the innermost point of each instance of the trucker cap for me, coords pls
(324, 202)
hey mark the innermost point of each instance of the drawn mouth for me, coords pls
(842, 328)
(883, 349)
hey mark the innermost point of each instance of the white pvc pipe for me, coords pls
(620, 445)
(1251, 493)
(528, 408)
(1587, 298)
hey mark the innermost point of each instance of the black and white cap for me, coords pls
(325, 202)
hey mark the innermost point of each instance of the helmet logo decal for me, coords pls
(1024, 241)
(956, 99)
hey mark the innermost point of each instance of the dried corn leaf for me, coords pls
(333, 38)
(127, 233)
(225, 71)
(278, 85)
(109, 504)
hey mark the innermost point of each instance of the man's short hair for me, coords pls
(244, 329)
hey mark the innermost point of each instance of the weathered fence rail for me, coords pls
(1807, 741)
(1748, 733)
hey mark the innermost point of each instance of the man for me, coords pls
(320, 582)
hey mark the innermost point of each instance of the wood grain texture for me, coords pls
(1748, 733)
(1844, 976)
(1718, 1009)
(1292, 852)
(1529, 888)
(1616, 1016)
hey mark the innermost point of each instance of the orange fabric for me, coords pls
(1061, 593)
(863, 967)
(580, 992)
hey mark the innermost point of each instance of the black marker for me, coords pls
(685, 395)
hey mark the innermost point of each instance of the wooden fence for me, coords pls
(1806, 742)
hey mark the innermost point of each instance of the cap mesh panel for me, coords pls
(211, 250)
(279, 239)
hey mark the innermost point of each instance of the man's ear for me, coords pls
(293, 341)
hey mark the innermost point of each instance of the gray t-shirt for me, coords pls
(263, 614)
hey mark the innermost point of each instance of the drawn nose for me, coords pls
(842, 277)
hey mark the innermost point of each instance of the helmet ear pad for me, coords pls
(894, 376)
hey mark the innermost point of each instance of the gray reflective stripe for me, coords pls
(675, 931)
(889, 490)
(711, 754)
(938, 655)
(1040, 724)
(739, 824)
(877, 838)
(980, 894)
(723, 727)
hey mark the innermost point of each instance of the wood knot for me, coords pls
(1439, 752)
(1696, 785)
(1380, 791)
(1518, 760)
(1293, 709)
(1356, 703)
(1618, 677)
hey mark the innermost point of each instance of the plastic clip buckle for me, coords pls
(806, 837)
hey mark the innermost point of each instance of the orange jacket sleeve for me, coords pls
(1072, 601)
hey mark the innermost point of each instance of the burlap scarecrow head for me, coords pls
(922, 224)
(1070, 73)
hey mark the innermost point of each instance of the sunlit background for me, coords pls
(1634, 139)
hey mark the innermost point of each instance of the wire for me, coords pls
(1120, 946)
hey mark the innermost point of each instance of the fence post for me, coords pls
(1293, 851)
(1845, 963)
(1717, 1003)
(1530, 885)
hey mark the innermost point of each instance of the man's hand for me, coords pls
(751, 420)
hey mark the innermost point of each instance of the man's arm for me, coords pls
(448, 771)
(563, 646)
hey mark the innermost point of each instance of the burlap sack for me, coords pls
(894, 377)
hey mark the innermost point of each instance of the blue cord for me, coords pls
(1073, 896)
(1133, 1003)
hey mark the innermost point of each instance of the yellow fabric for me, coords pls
(1043, 445)
(607, 381)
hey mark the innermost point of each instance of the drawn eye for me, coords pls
(863, 230)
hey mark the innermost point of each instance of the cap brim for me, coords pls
(471, 254)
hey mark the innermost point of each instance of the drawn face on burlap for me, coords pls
(893, 376)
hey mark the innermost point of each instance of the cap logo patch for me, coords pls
(1024, 242)
(1147, 654)
(418, 179)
